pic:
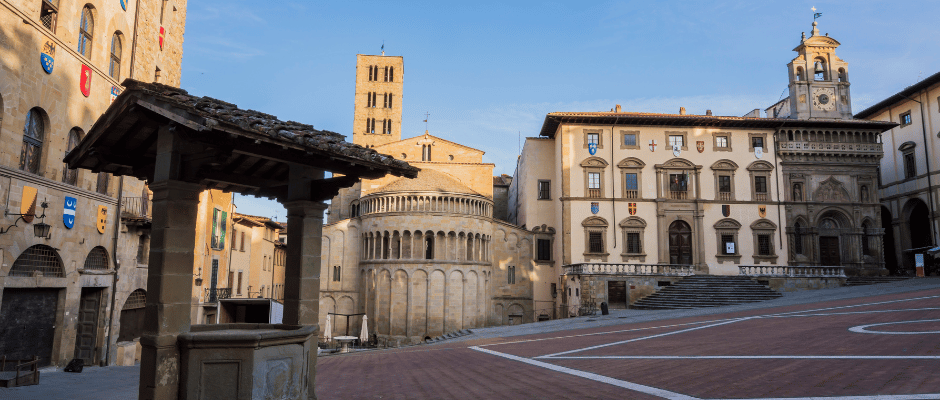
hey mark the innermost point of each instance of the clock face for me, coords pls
(822, 99)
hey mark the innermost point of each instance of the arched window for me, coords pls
(32, 141)
(86, 29)
(97, 258)
(843, 77)
(820, 70)
(425, 152)
(429, 247)
(70, 176)
(132, 316)
(800, 76)
(39, 258)
(114, 69)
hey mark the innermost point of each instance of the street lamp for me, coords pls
(41, 229)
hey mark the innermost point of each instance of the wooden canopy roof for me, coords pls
(226, 148)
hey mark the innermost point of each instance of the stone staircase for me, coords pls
(872, 280)
(450, 335)
(699, 291)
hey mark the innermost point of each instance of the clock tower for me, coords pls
(819, 80)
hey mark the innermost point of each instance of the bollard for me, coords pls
(604, 310)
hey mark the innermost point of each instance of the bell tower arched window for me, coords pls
(820, 70)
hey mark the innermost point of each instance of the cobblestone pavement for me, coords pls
(458, 368)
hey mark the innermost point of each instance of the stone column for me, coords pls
(302, 271)
(169, 286)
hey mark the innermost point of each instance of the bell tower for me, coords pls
(377, 118)
(819, 80)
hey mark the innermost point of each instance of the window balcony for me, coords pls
(761, 196)
(631, 194)
(594, 193)
(678, 195)
(725, 196)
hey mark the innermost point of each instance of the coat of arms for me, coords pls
(85, 81)
(758, 152)
(762, 210)
(28, 203)
(68, 214)
(726, 210)
(102, 221)
(592, 148)
(595, 207)
(631, 207)
(124, 5)
(700, 146)
(47, 58)
(652, 145)
(676, 150)
(114, 93)
(162, 35)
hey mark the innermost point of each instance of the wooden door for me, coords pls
(27, 324)
(829, 251)
(617, 294)
(86, 338)
(680, 243)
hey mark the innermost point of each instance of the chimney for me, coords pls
(708, 113)
(617, 108)
(681, 110)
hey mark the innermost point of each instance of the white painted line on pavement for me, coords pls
(861, 328)
(743, 357)
(592, 376)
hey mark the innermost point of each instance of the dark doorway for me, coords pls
(28, 324)
(680, 243)
(617, 294)
(919, 223)
(829, 251)
(890, 253)
(86, 337)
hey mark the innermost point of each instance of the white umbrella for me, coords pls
(328, 329)
(364, 334)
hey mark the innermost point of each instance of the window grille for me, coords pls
(725, 239)
(910, 165)
(633, 243)
(97, 258)
(724, 183)
(137, 299)
(545, 190)
(511, 274)
(49, 14)
(595, 242)
(32, 141)
(86, 29)
(39, 258)
(544, 249)
(763, 245)
(760, 184)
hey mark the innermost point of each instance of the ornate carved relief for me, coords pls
(831, 190)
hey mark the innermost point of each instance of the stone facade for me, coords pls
(212, 260)
(69, 291)
(378, 101)
(909, 185)
(704, 194)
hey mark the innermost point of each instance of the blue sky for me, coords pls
(488, 71)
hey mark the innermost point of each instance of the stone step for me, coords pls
(706, 291)
(873, 280)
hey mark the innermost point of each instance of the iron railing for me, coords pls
(136, 207)
(214, 295)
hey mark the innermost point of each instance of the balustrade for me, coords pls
(629, 269)
(792, 271)
(426, 203)
(678, 195)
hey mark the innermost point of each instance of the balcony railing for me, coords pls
(799, 147)
(792, 271)
(594, 193)
(678, 195)
(631, 194)
(760, 196)
(725, 196)
(628, 269)
(136, 207)
(214, 295)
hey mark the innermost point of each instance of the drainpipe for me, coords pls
(613, 196)
(780, 192)
(117, 267)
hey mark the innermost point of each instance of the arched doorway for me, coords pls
(680, 243)
(829, 253)
(890, 253)
(919, 224)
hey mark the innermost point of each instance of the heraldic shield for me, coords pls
(47, 58)
(68, 213)
(595, 207)
(726, 210)
(85, 82)
(162, 35)
(762, 211)
(102, 221)
(700, 146)
(631, 207)
(592, 148)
